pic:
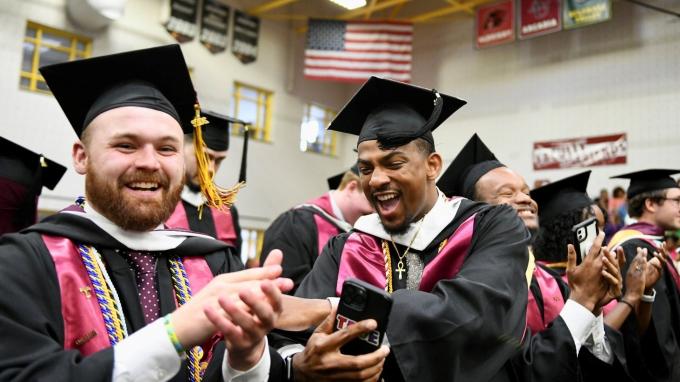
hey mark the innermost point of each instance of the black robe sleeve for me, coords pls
(321, 281)
(295, 234)
(468, 327)
(655, 355)
(547, 356)
(551, 354)
(31, 326)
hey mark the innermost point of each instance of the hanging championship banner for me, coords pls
(539, 17)
(495, 24)
(579, 13)
(245, 37)
(581, 152)
(182, 21)
(214, 26)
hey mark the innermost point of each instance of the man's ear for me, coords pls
(434, 166)
(650, 205)
(79, 155)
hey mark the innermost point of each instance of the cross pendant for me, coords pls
(400, 269)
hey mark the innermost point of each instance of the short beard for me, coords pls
(131, 215)
(400, 229)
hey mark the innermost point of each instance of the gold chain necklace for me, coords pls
(400, 264)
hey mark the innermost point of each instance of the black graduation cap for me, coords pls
(25, 167)
(394, 113)
(216, 132)
(648, 180)
(472, 162)
(156, 78)
(216, 136)
(563, 195)
(335, 180)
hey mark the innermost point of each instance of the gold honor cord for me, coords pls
(217, 197)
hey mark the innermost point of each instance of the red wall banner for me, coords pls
(495, 24)
(581, 152)
(539, 17)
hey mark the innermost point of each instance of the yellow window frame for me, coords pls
(329, 148)
(259, 241)
(260, 129)
(73, 52)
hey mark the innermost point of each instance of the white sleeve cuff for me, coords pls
(597, 342)
(579, 320)
(146, 355)
(289, 350)
(598, 329)
(257, 373)
(334, 301)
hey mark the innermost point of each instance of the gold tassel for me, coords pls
(216, 197)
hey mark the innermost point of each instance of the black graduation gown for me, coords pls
(31, 323)
(551, 354)
(466, 328)
(654, 356)
(296, 234)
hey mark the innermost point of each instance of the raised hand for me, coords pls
(244, 329)
(636, 277)
(586, 281)
(635, 285)
(322, 360)
(193, 327)
(611, 273)
(655, 269)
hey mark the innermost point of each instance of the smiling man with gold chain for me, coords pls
(455, 268)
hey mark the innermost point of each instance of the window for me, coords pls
(251, 245)
(313, 134)
(44, 45)
(253, 105)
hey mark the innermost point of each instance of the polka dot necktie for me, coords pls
(144, 266)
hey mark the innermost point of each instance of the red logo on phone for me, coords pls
(372, 338)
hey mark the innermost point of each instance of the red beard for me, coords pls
(126, 212)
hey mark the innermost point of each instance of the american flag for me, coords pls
(353, 51)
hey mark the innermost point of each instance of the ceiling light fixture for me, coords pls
(350, 4)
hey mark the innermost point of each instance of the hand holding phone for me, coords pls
(324, 355)
(360, 301)
(584, 235)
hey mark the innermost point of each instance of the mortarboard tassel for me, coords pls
(215, 196)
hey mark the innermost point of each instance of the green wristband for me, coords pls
(172, 335)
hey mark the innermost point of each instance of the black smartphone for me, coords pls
(360, 301)
(584, 234)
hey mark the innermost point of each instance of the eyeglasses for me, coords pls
(676, 200)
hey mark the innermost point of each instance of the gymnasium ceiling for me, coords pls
(416, 11)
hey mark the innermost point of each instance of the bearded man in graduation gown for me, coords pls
(455, 268)
(563, 328)
(23, 174)
(192, 212)
(302, 232)
(100, 291)
(654, 201)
